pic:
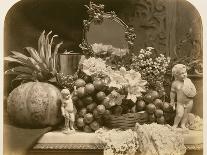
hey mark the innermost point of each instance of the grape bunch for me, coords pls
(90, 101)
(158, 111)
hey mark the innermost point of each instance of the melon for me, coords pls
(35, 105)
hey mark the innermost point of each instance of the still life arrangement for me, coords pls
(114, 92)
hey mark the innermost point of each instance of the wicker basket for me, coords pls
(127, 121)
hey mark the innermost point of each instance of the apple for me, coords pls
(96, 114)
(80, 122)
(154, 94)
(166, 107)
(106, 115)
(91, 107)
(158, 113)
(151, 108)
(88, 118)
(101, 109)
(158, 103)
(151, 118)
(79, 83)
(161, 120)
(148, 98)
(89, 88)
(87, 129)
(140, 105)
(100, 96)
(94, 125)
(98, 84)
(82, 112)
(81, 92)
(87, 100)
(79, 104)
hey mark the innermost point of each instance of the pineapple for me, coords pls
(41, 65)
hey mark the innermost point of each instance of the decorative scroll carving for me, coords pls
(150, 17)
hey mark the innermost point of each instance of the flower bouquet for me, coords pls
(108, 93)
(152, 68)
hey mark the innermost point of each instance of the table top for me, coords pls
(80, 140)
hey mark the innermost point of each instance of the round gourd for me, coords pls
(35, 104)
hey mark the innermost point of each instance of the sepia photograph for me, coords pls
(103, 77)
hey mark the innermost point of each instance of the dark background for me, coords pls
(152, 20)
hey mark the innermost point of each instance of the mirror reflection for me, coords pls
(109, 32)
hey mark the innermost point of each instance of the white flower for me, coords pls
(93, 66)
(150, 48)
(141, 56)
(100, 48)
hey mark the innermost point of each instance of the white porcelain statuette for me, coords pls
(68, 111)
(183, 90)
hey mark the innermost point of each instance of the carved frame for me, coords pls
(96, 15)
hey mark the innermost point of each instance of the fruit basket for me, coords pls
(127, 121)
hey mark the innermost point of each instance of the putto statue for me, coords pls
(68, 110)
(184, 90)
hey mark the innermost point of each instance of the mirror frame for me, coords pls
(96, 15)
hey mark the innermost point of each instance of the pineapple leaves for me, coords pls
(12, 59)
(19, 55)
(40, 65)
(22, 77)
(47, 49)
(55, 52)
(41, 48)
(34, 54)
(19, 70)
(41, 40)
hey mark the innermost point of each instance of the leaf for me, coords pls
(47, 49)
(51, 41)
(34, 54)
(11, 72)
(21, 59)
(41, 41)
(18, 54)
(24, 77)
(56, 48)
(50, 64)
(33, 64)
(19, 70)
(44, 68)
(54, 72)
(42, 53)
(55, 53)
(53, 80)
(41, 45)
(9, 58)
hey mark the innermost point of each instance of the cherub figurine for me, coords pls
(68, 110)
(184, 90)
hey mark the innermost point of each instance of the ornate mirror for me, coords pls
(106, 30)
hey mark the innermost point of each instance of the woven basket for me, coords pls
(127, 121)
